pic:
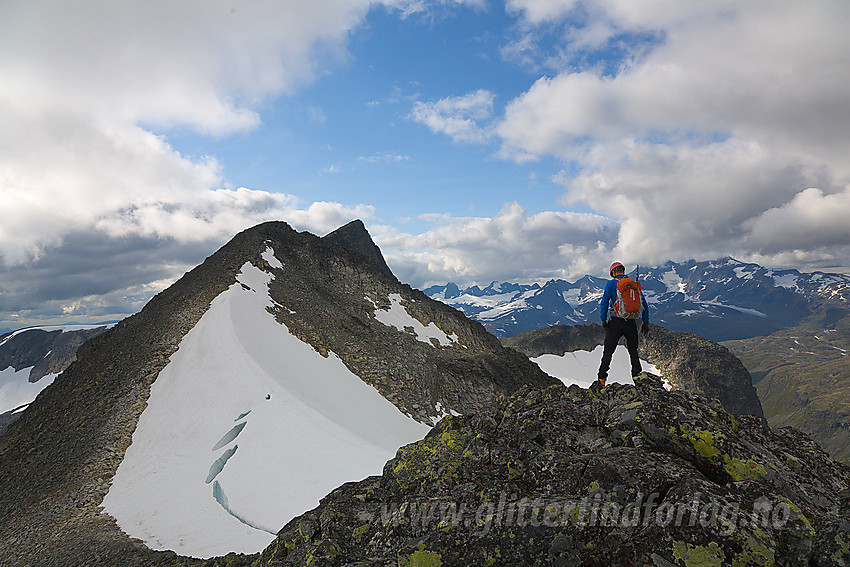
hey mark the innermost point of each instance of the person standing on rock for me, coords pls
(623, 303)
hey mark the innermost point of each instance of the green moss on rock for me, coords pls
(697, 555)
(421, 558)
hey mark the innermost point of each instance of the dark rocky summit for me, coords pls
(689, 362)
(557, 339)
(622, 476)
(58, 459)
(355, 238)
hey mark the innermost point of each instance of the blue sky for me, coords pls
(479, 140)
(350, 136)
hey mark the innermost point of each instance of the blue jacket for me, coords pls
(610, 295)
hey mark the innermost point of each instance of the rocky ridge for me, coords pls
(57, 460)
(423, 377)
(687, 361)
(622, 476)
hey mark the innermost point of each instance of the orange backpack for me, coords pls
(628, 304)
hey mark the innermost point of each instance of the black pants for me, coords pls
(619, 327)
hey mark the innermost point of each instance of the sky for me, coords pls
(478, 140)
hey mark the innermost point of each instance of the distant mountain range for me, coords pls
(720, 300)
(29, 360)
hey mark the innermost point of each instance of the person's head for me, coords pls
(617, 269)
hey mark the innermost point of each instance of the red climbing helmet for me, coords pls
(613, 266)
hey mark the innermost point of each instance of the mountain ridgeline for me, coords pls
(39, 353)
(58, 460)
(719, 300)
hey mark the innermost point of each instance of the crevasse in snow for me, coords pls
(309, 426)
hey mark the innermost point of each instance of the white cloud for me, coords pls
(383, 158)
(83, 82)
(201, 64)
(687, 201)
(510, 245)
(811, 219)
(538, 11)
(727, 136)
(410, 7)
(458, 117)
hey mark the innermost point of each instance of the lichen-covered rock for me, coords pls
(622, 475)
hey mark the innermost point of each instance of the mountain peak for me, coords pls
(283, 329)
(354, 237)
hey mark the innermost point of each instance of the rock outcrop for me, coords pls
(355, 238)
(687, 361)
(622, 476)
(557, 339)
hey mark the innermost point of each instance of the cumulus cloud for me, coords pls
(724, 135)
(678, 202)
(111, 270)
(463, 118)
(510, 245)
(790, 225)
(88, 191)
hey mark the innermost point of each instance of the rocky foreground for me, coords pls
(625, 475)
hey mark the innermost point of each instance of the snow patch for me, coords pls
(673, 281)
(268, 256)
(787, 281)
(313, 425)
(16, 389)
(580, 367)
(744, 310)
(741, 272)
(398, 317)
(442, 412)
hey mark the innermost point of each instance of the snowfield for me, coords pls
(398, 317)
(16, 390)
(246, 428)
(580, 367)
